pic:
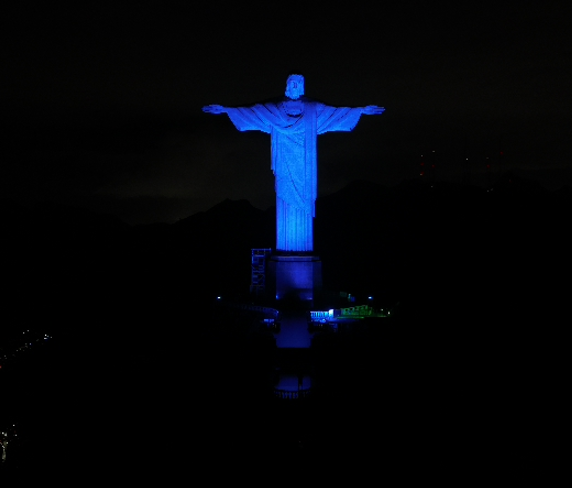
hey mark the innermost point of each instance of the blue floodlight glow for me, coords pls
(294, 124)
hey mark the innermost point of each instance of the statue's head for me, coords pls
(295, 86)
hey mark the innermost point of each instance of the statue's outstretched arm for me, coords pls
(372, 110)
(214, 109)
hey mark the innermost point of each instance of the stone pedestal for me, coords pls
(294, 277)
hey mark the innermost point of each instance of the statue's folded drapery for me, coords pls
(294, 159)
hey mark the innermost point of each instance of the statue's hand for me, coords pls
(214, 109)
(373, 110)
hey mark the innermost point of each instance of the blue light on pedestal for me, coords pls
(294, 277)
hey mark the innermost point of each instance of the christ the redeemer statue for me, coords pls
(294, 124)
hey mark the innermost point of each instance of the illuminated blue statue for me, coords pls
(294, 124)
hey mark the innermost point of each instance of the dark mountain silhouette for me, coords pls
(415, 242)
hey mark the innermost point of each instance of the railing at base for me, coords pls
(292, 395)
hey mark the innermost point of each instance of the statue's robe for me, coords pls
(294, 159)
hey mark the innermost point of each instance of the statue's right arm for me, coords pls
(214, 109)
(244, 118)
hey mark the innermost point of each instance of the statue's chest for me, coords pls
(293, 108)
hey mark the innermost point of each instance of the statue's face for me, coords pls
(295, 86)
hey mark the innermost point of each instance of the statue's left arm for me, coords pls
(344, 119)
(372, 110)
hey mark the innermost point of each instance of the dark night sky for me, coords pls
(101, 109)
(102, 103)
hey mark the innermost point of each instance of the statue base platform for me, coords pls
(294, 277)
